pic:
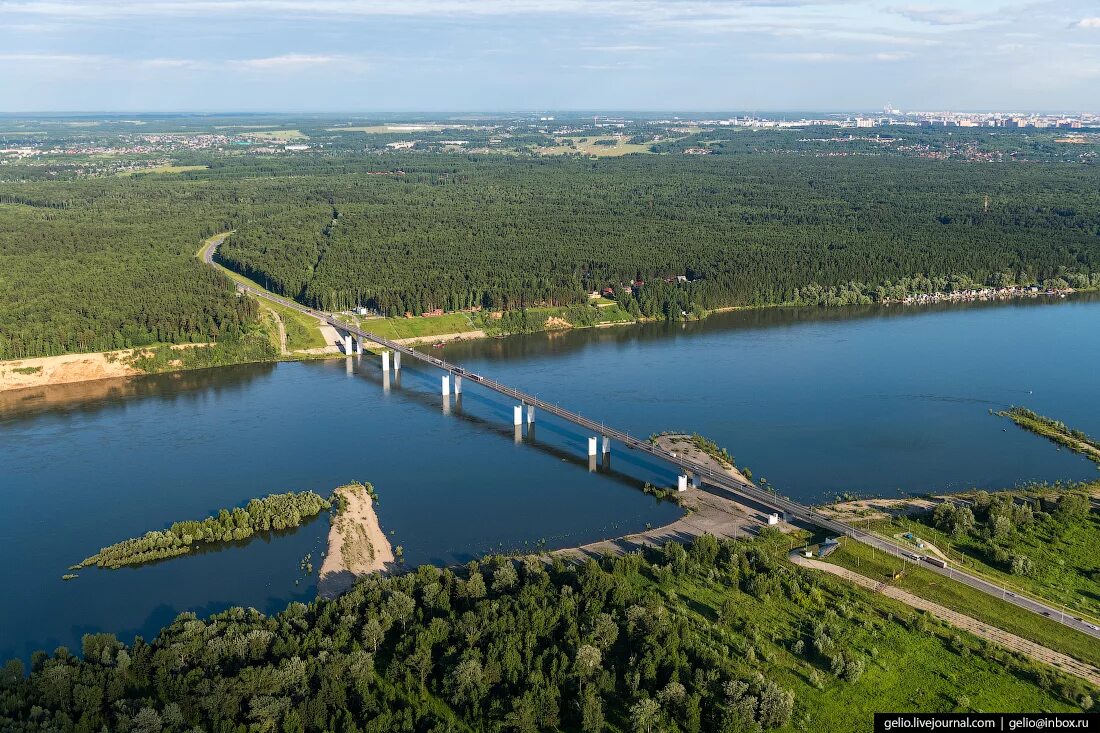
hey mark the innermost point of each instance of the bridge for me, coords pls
(355, 337)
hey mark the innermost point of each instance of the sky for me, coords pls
(513, 55)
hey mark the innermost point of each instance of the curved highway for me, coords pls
(792, 509)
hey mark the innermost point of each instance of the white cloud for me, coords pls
(284, 63)
(940, 16)
(287, 61)
(52, 58)
(624, 48)
(815, 57)
(805, 56)
(1089, 23)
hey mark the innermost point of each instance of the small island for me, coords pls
(273, 512)
(356, 544)
(1055, 431)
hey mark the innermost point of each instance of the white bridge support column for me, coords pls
(458, 385)
(592, 446)
(446, 385)
(356, 346)
(517, 415)
(385, 361)
(530, 414)
(347, 344)
(606, 445)
(696, 481)
(682, 482)
(397, 361)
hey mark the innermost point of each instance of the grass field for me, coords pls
(302, 332)
(934, 587)
(283, 135)
(404, 328)
(906, 668)
(409, 127)
(589, 147)
(1066, 563)
(165, 169)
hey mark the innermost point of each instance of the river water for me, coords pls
(819, 401)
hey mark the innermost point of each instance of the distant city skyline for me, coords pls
(557, 55)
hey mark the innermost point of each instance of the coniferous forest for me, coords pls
(99, 263)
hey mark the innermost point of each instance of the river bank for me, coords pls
(356, 543)
(420, 330)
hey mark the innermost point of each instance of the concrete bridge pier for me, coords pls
(682, 482)
(458, 385)
(386, 362)
(446, 386)
(397, 361)
(347, 343)
(356, 346)
(530, 416)
(592, 446)
(696, 480)
(517, 415)
(606, 445)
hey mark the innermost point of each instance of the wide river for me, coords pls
(818, 401)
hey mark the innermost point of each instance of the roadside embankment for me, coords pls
(356, 543)
(984, 630)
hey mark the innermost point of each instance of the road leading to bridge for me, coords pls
(742, 490)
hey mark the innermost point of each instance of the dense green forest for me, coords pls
(108, 262)
(719, 636)
(105, 264)
(501, 233)
(272, 512)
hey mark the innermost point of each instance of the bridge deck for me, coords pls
(792, 509)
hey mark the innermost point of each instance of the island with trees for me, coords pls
(271, 513)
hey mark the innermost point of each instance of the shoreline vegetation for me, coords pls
(715, 635)
(1056, 431)
(357, 545)
(273, 512)
(262, 341)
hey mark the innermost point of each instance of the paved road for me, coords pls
(793, 510)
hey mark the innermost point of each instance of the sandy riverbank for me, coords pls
(356, 543)
(66, 369)
(71, 368)
(682, 445)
